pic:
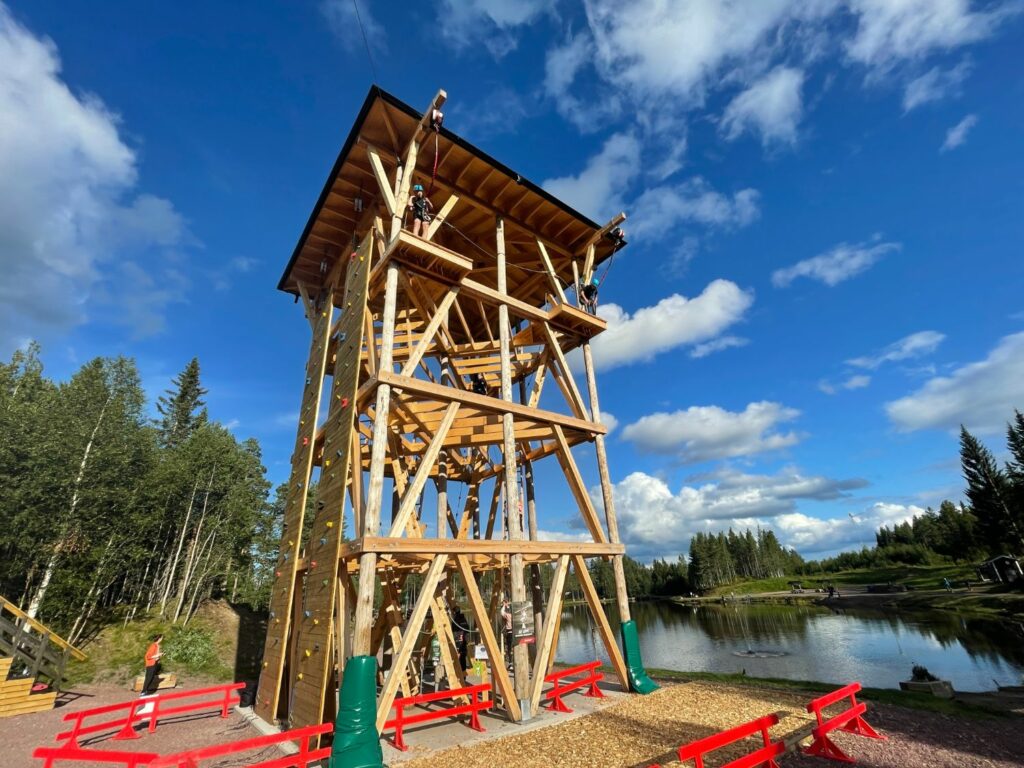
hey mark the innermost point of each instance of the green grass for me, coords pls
(915, 576)
(197, 650)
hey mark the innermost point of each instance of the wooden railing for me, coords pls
(43, 653)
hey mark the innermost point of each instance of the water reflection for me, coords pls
(818, 643)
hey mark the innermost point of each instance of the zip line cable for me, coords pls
(366, 42)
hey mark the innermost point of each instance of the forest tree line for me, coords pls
(107, 513)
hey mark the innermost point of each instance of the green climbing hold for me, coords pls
(638, 679)
(356, 741)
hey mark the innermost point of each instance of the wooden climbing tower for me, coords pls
(438, 376)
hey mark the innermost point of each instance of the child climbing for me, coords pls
(153, 655)
(479, 383)
(588, 296)
(421, 207)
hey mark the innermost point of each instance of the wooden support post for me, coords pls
(441, 216)
(536, 590)
(520, 653)
(607, 494)
(375, 495)
(552, 275)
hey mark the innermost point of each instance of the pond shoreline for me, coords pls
(982, 601)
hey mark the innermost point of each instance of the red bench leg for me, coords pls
(557, 705)
(860, 727)
(823, 746)
(594, 691)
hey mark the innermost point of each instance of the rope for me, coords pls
(487, 253)
(366, 42)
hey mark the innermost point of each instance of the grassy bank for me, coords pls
(913, 576)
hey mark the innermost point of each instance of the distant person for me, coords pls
(831, 591)
(479, 383)
(461, 637)
(947, 584)
(153, 654)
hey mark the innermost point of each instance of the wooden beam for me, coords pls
(440, 315)
(604, 629)
(576, 400)
(412, 630)
(407, 545)
(423, 472)
(540, 663)
(382, 181)
(441, 216)
(549, 268)
(483, 622)
(579, 490)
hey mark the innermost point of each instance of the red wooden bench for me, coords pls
(561, 687)
(473, 709)
(763, 756)
(849, 720)
(151, 708)
(304, 758)
(70, 751)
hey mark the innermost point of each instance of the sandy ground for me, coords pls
(19, 736)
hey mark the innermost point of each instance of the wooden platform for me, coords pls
(16, 697)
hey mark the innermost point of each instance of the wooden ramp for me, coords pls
(16, 697)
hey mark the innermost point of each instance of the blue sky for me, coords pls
(825, 203)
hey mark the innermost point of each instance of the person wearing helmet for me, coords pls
(421, 208)
(588, 296)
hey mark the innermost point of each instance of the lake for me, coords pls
(818, 643)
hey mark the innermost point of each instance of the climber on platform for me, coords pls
(588, 296)
(421, 207)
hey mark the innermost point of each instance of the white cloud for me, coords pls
(67, 181)
(772, 106)
(597, 189)
(915, 345)
(982, 395)
(857, 382)
(655, 522)
(464, 23)
(344, 21)
(717, 345)
(890, 31)
(702, 433)
(609, 421)
(836, 265)
(658, 211)
(957, 135)
(934, 85)
(673, 322)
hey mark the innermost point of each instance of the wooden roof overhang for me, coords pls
(485, 188)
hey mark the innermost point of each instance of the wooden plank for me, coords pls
(409, 545)
(483, 622)
(544, 650)
(427, 338)
(549, 268)
(441, 216)
(575, 399)
(597, 610)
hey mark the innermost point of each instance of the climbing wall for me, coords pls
(269, 691)
(312, 671)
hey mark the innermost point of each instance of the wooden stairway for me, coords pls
(16, 697)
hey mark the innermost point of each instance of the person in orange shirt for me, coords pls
(153, 655)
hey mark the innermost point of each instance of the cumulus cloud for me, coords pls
(701, 433)
(915, 345)
(609, 421)
(68, 200)
(654, 521)
(494, 23)
(597, 189)
(836, 265)
(673, 322)
(981, 395)
(934, 85)
(658, 211)
(343, 17)
(772, 107)
(717, 345)
(957, 135)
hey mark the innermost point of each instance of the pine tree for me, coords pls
(182, 408)
(988, 490)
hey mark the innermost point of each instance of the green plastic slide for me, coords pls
(356, 741)
(638, 679)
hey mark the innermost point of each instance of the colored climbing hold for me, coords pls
(322, 541)
(300, 675)
(330, 523)
(308, 653)
(312, 564)
(323, 583)
(316, 622)
(307, 614)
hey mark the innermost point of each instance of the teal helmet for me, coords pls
(595, 282)
(417, 188)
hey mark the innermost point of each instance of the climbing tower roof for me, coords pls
(484, 186)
